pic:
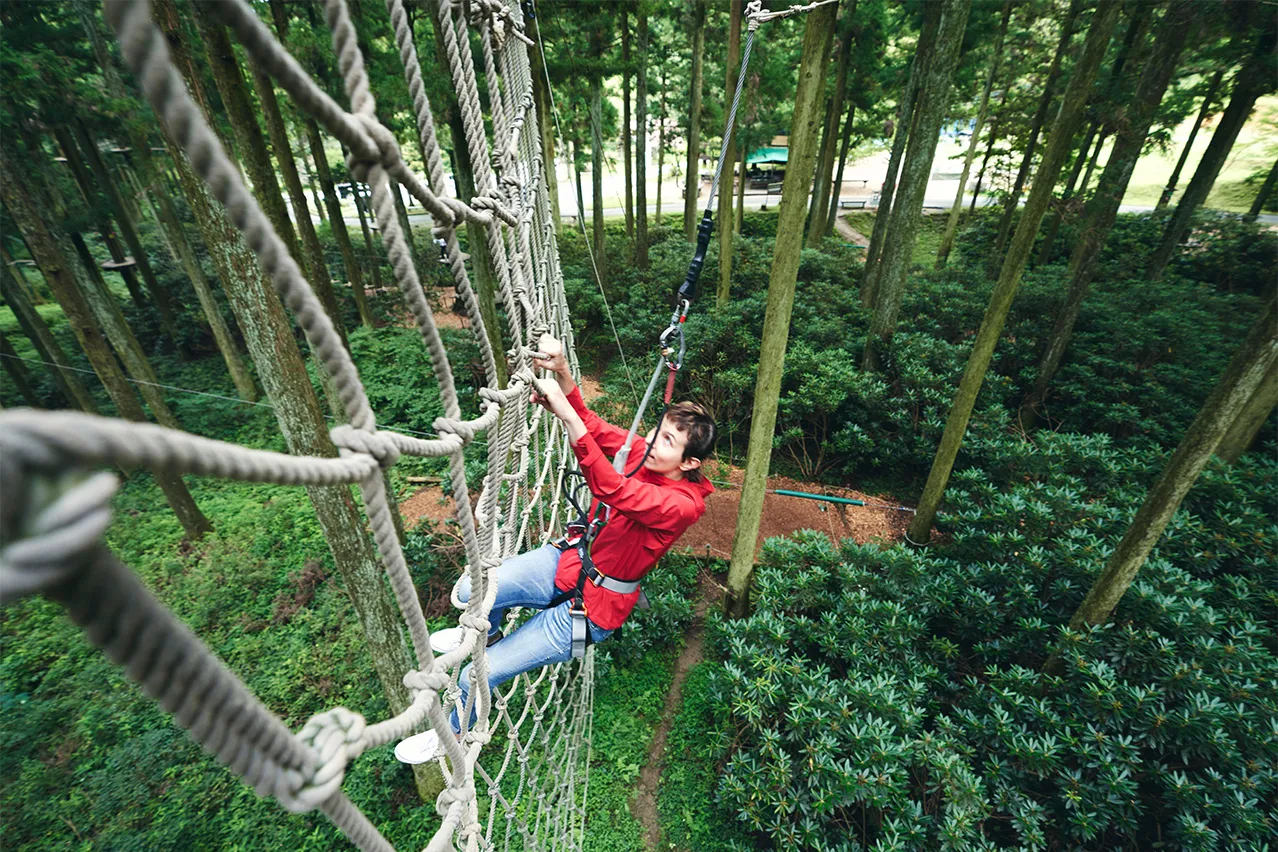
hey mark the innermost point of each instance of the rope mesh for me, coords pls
(517, 778)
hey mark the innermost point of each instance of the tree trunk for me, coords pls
(692, 180)
(661, 145)
(1252, 80)
(20, 281)
(354, 275)
(370, 246)
(817, 36)
(951, 226)
(1266, 189)
(17, 371)
(925, 48)
(1205, 110)
(1091, 163)
(626, 158)
(741, 185)
(1103, 208)
(1036, 125)
(732, 70)
(51, 250)
(172, 226)
(312, 177)
(86, 182)
(50, 351)
(836, 189)
(829, 136)
(596, 150)
(641, 142)
(312, 253)
(934, 94)
(545, 118)
(297, 410)
(1242, 378)
(995, 129)
(1060, 141)
(576, 171)
(1058, 215)
(1247, 425)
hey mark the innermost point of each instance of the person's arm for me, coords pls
(651, 505)
(551, 357)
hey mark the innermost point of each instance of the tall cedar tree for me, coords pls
(1102, 209)
(1209, 101)
(907, 208)
(641, 140)
(1060, 142)
(808, 97)
(692, 178)
(731, 72)
(829, 135)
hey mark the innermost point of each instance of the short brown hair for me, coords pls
(695, 420)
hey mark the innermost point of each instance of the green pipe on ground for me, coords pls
(819, 497)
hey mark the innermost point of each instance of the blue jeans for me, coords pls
(526, 580)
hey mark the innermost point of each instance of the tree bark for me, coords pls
(172, 225)
(836, 188)
(829, 136)
(1036, 125)
(297, 410)
(370, 246)
(1251, 419)
(354, 275)
(817, 36)
(925, 48)
(1205, 110)
(312, 253)
(51, 250)
(1058, 215)
(312, 174)
(951, 226)
(46, 345)
(1103, 208)
(1242, 378)
(934, 94)
(20, 277)
(545, 119)
(1091, 163)
(17, 371)
(626, 158)
(641, 141)
(732, 71)
(1266, 190)
(692, 180)
(1252, 81)
(741, 185)
(596, 148)
(661, 144)
(1060, 141)
(995, 129)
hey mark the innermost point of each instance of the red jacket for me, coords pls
(649, 513)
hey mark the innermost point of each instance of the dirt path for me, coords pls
(644, 806)
(849, 233)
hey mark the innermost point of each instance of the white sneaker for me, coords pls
(419, 748)
(446, 640)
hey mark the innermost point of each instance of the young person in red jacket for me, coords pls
(650, 510)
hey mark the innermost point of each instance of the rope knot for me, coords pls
(451, 426)
(434, 680)
(475, 622)
(335, 737)
(383, 143)
(481, 737)
(455, 795)
(50, 524)
(379, 445)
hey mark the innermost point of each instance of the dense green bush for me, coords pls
(894, 698)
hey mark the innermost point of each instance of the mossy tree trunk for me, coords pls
(1209, 100)
(661, 143)
(830, 135)
(46, 345)
(907, 208)
(546, 118)
(641, 140)
(1243, 377)
(836, 188)
(982, 110)
(1266, 190)
(692, 179)
(1059, 145)
(1036, 126)
(627, 160)
(274, 350)
(733, 70)
(1253, 80)
(1247, 425)
(52, 252)
(817, 36)
(1102, 210)
(17, 370)
(905, 118)
(342, 236)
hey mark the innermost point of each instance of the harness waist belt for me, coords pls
(621, 587)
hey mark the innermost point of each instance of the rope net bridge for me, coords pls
(534, 736)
